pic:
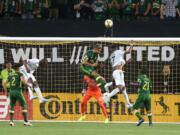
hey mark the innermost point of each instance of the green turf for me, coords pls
(88, 129)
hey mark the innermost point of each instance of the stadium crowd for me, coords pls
(90, 9)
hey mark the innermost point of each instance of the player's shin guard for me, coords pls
(24, 112)
(11, 115)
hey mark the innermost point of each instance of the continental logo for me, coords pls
(57, 107)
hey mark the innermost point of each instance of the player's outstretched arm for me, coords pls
(130, 49)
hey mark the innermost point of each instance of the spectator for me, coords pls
(129, 9)
(115, 9)
(145, 7)
(99, 7)
(54, 10)
(83, 9)
(1, 7)
(63, 7)
(27, 9)
(156, 8)
(168, 10)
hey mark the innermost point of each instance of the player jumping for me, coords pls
(27, 69)
(117, 62)
(89, 64)
(144, 84)
(14, 79)
(92, 91)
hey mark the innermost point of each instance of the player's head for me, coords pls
(17, 66)
(43, 62)
(97, 48)
(8, 64)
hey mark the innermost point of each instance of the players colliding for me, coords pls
(27, 69)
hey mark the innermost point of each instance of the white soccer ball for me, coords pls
(108, 23)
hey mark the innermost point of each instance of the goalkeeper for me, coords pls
(92, 91)
(144, 84)
(89, 64)
(15, 79)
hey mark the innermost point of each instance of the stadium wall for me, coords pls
(77, 28)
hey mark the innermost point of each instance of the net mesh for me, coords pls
(63, 79)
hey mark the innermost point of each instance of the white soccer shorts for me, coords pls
(118, 77)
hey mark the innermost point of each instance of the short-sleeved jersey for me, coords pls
(5, 73)
(91, 83)
(145, 84)
(90, 57)
(15, 81)
(117, 58)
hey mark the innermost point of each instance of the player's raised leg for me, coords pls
(38, 90)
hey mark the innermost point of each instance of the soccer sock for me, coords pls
(150, 117)
(11, 115)
(38, 91)
(126, 96)
(30, 92)
(114, 92)
(100, 82)
(25, 115)
(138, 115)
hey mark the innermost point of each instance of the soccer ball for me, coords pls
(108, 23)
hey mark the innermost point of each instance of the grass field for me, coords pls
(50, 128)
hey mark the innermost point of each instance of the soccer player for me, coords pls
(5, 73)
(117, 62)
(27, 69)
(144, 84)
(15, 79)
(92, 91)
(89, 64)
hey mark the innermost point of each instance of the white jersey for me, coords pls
(117, 58)
(33, 64)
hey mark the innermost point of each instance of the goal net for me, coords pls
(61, 82)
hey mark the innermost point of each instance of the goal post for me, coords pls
(61, 82)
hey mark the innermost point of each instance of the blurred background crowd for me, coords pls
(90, 9)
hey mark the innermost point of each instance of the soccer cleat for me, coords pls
(106, 121)
(33, 97)
(82, 118)
(11, 123)
(27, 124)
(150, 124)
(43, 100)
(140, 122)
(107, 85)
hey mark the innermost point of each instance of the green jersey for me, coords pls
(90, 57)
(15, 81)
(145, 84)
